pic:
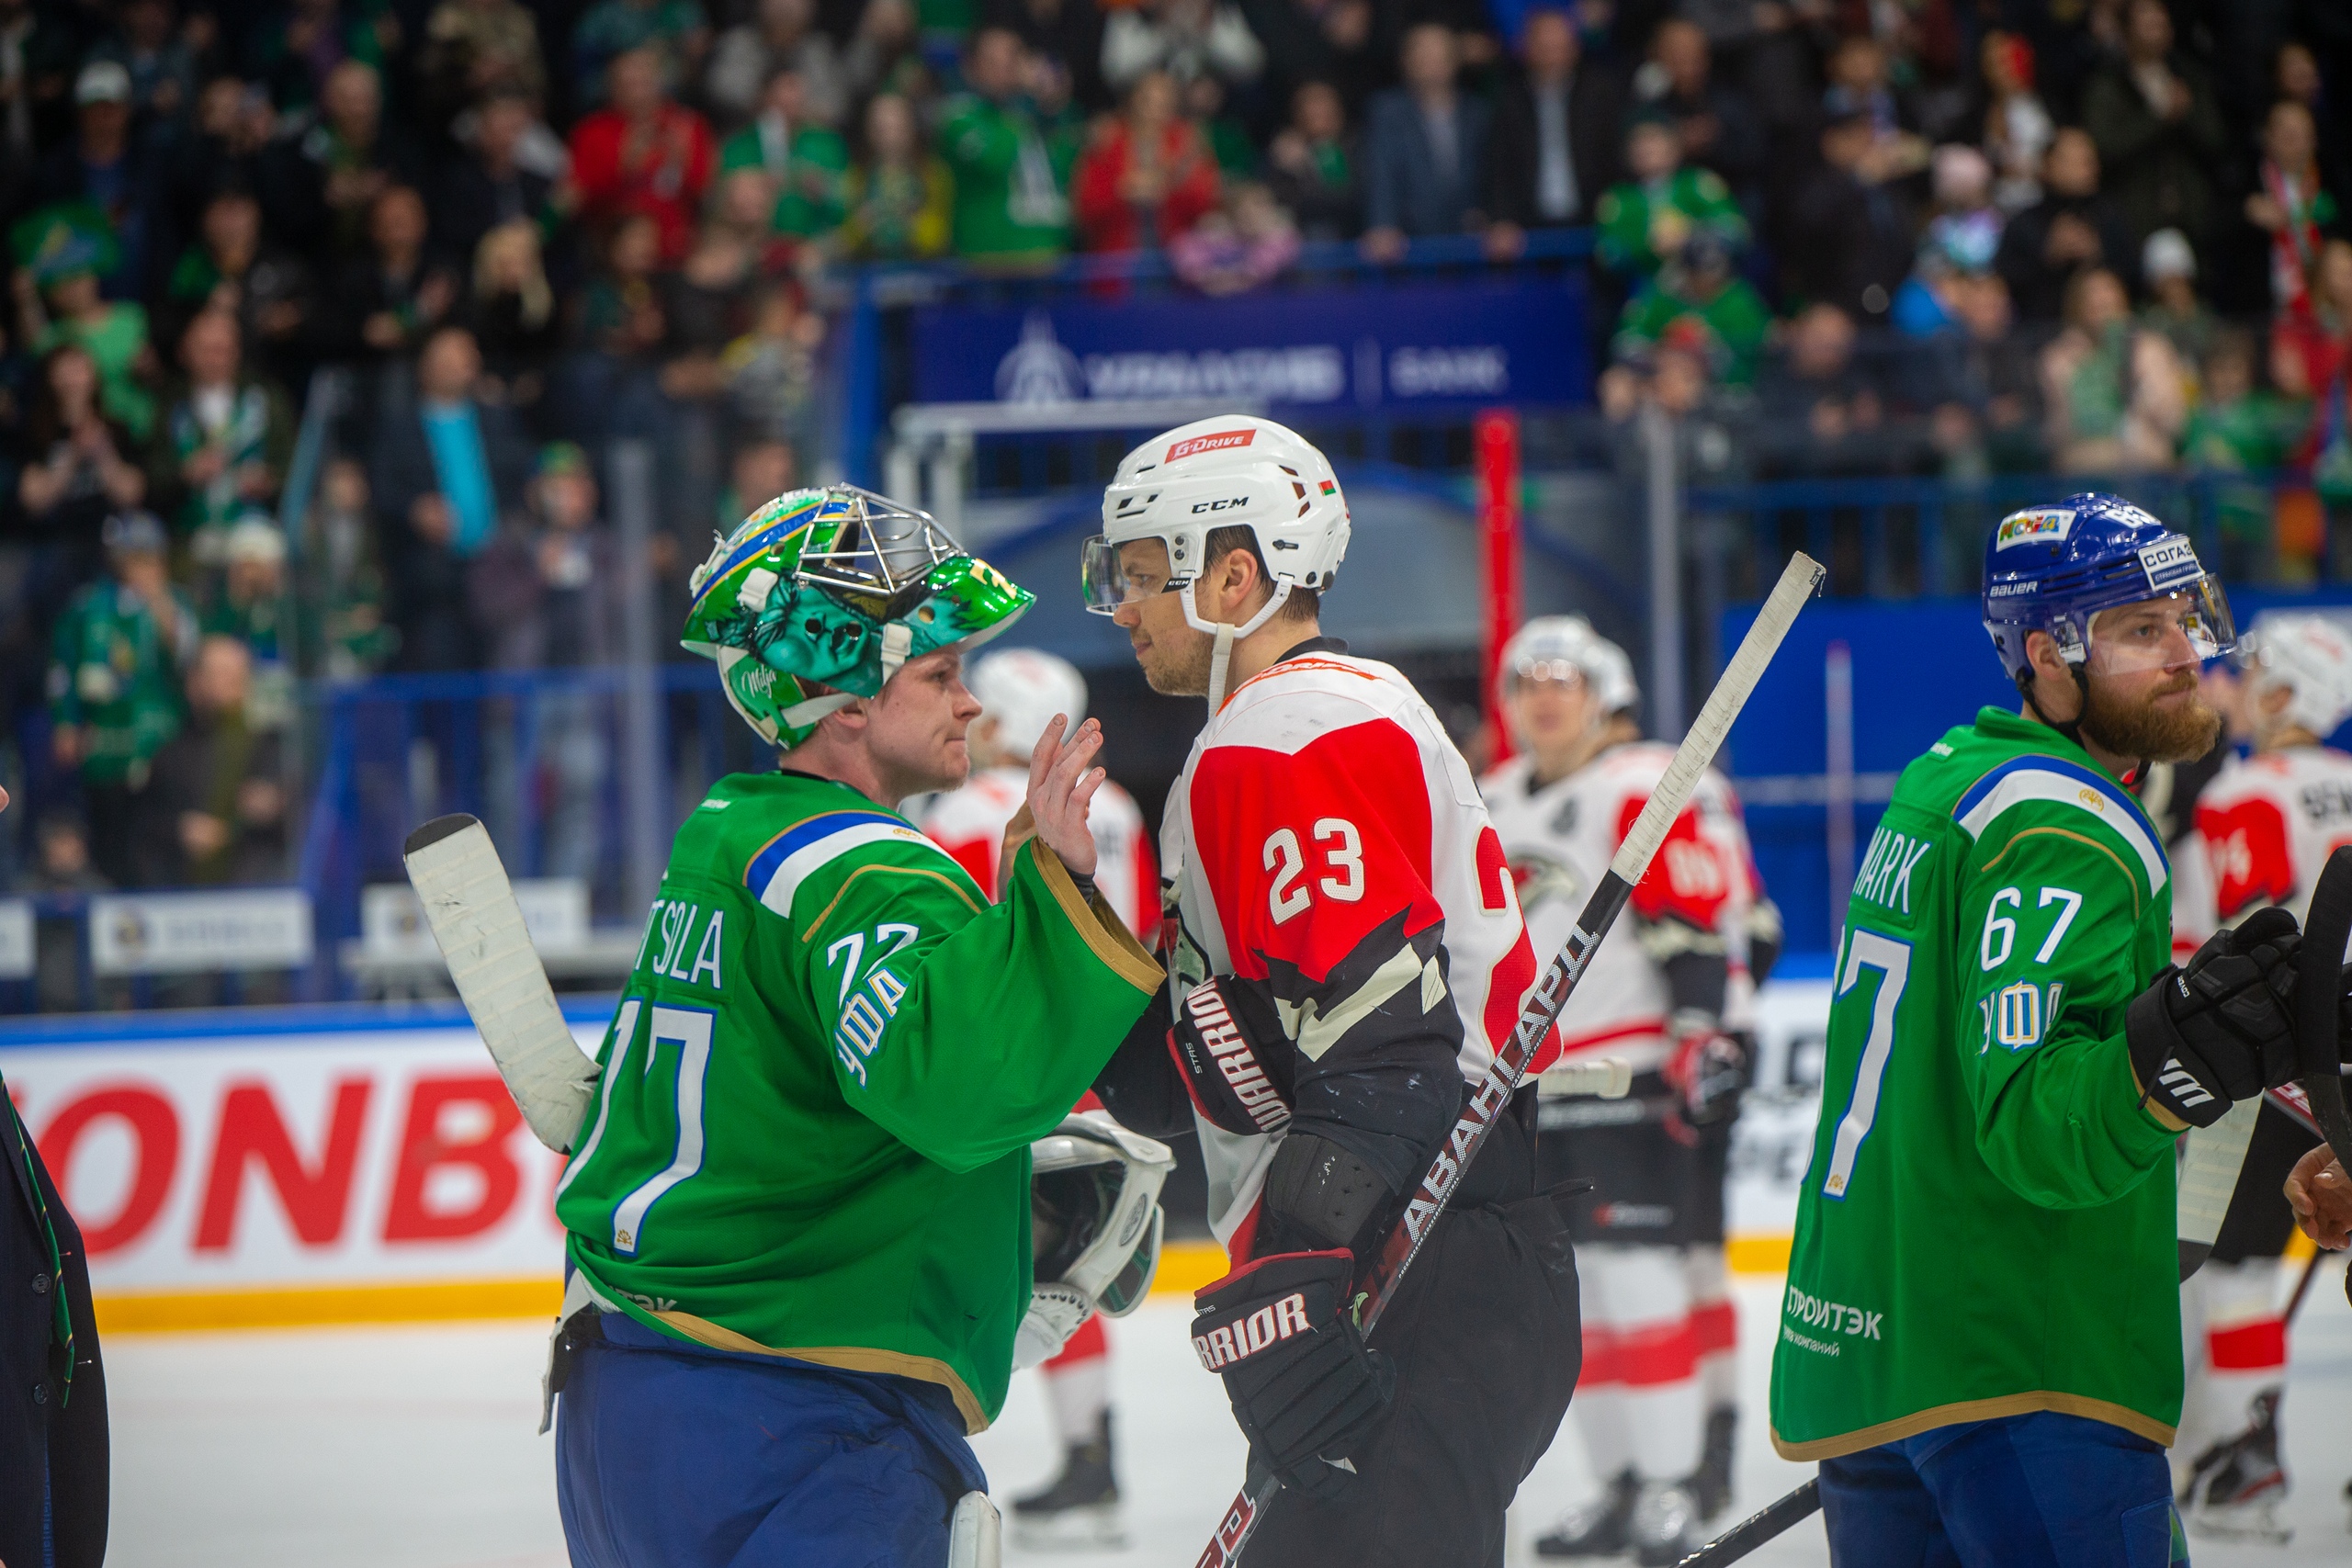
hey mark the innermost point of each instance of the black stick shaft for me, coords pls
(1750, 1533)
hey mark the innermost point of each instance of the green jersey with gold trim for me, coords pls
(1986, 1226)
(811, 1136)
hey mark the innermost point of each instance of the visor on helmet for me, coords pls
(1568, 671)
(1104, 578)
(2180, 630)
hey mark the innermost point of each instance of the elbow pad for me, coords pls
(1695, 981)
(1765, 939)
(1320, 1197)
(1235, 1061)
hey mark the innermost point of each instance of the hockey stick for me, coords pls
(1494, 1092)
(1604, 1077)
(1756, 1529)
(2209, 1177)
(2327, 929)
(471, 907)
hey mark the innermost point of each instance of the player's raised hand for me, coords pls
(1062, 780)
(2320, 1198)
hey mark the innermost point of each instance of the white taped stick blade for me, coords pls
(2209, 1177)
(471, 907)
(1696, 752)
(972, 1534)
(1608, 1077)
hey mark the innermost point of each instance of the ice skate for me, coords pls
(1666, 1526)
(1081, 1506)
(1599, 1529)
(2236, 1486)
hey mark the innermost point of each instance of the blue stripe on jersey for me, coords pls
(801, 835)
(2041, 777)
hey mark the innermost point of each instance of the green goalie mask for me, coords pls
(835, 588)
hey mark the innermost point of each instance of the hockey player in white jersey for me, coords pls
(1350, 952)
(1656, 1402)
(1020, 689)
(2265, 828)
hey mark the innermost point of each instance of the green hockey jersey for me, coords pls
(1986, 1226)
(811, 1136)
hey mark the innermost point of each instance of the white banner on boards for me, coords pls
(17, 937)
(182, 934)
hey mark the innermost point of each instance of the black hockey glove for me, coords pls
(2223, 1029)
(1303, 1386)
(1709, 1068)
(1236, 1060)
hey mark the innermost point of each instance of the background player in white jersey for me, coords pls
(1350, 950)
(2266, 826)
(1656, 1402)
(1020, 689)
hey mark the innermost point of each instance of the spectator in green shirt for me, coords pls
(1011, 210)
(2239, 428)
(1698, 302)
(228, 437)
(1646, 219)
(114, 689)
(808, 162)
(63, 252)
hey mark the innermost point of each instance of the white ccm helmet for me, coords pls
(1231, 471)
(2310, 655)
(1094, 1211)
(1551, 646)
(1023, 688)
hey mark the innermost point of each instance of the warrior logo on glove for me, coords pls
(1221, 1347)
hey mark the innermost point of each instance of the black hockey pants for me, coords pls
(1484, 1331)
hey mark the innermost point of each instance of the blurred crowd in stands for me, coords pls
(1860, 237)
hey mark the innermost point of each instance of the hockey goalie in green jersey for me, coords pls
(1980, 1334)
(800, 1212)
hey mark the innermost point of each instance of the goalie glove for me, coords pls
(1304, 1388)
(1056, 1312)
(2221, 1029)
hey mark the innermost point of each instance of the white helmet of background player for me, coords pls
(1094, 1210)
(1232, 471)
(1023, 688)
(1551, 647)
(2308, 655)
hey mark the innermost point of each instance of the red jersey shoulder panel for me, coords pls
(1313, 846)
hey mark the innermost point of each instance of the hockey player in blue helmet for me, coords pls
(2128, 695)
(1980, 1334)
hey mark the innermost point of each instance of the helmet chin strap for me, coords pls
(1225, 636)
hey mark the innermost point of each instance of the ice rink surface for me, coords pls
(414, 1448)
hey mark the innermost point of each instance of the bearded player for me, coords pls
(1021, 691)
(1980, 1339)
(2265, 827)
(1656, 1402)
(800, 1219)
(1351, 949)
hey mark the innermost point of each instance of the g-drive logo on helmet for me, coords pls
(2047, 524)
(1218, 442)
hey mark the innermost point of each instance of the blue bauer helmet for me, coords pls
(2052, 569)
